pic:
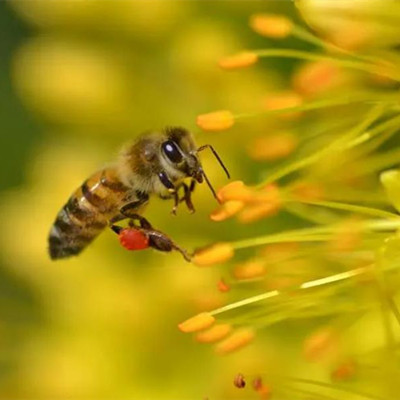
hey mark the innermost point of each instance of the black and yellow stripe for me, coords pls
(86, 214)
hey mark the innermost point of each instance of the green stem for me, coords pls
(245, 302)
(304, 55)
(307, 285)
(360, 97)
(335, 387)
(315, 234)
(254, 242)
(339, 144)
(373, 212)
(307, 36)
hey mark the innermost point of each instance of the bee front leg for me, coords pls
(172, 189)
(187, 197)
(166, 182)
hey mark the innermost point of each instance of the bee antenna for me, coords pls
(209, 185)
(208, 146)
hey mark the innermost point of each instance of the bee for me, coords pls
(156, 163)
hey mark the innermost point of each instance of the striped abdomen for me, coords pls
(86, 214)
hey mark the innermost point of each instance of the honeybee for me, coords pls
(157, 163)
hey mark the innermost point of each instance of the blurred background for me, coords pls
(78, 79)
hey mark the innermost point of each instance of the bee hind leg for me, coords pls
(130, 211)
(161, 242)
(143, 223)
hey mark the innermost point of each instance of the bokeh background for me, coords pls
(78, 79)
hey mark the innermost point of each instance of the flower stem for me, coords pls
(307, 285)
(339, 144)
(373, 212)
(308, 37)
(315, 234)
(346, 63)
(360, 97)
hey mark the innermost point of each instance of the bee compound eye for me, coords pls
(172, 151)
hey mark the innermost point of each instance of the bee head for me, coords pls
(181, 153)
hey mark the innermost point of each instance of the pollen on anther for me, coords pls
(235, 190)
(271, 25)
(223, 286)
(214, 334)
(250, 269)
(282, 100)
(272, 147)
(216, 253)
(197, 323)
(235, 341)
(255, 212)
(226, 210)
(216, 121)
(240, 60)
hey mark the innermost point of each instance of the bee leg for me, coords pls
(172, 189)
(176, 202)
(166, 182)
(187, 197)
(192, 185)
(161, 242)
(117, 229)
(136, 217)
